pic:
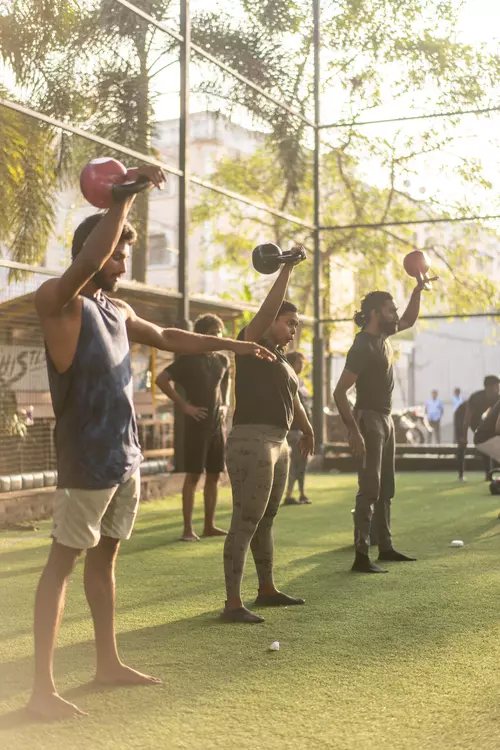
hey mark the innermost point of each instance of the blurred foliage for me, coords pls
(372, 259)
(94, 63)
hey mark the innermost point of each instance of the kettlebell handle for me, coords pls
(288, 257)
(423, 279)
(120, 192)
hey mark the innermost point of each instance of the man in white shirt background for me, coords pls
(434, 409)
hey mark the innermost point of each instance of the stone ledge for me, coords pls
(37, 504)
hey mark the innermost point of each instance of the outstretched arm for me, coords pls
(268, 311)
(55, 294)
(184, 342)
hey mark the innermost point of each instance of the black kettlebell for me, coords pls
(269, 257)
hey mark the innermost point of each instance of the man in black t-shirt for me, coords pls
(371, 430)
(205, 380)
(469, 416)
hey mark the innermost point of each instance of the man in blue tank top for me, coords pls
(87, 338)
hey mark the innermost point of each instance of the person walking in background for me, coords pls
(456, 399)
(205, 379)
(434, 409)
(298, 462)
(469, 416)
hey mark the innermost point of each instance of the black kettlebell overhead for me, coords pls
(269, 257)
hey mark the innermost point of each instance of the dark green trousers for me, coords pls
(376, 481)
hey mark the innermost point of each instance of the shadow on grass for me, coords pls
(20, 717)
(22, 571)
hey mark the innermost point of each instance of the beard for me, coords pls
(106, 283)
(389, 327)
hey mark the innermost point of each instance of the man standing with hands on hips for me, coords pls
(369, 366)
(205, 379)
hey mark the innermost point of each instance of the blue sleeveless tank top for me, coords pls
(96, 436)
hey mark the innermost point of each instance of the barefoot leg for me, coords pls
(210, 498)
(188, 492)
(99, 579)
(49, 606)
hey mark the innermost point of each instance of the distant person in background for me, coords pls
(434, 409)
(469, 415)
(458, 428)
(487, 435)
(456, 399)
(298, 462)
(205, 380)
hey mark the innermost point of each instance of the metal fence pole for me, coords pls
(183, 267)
(318, 375)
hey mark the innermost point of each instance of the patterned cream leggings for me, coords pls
(257, 463)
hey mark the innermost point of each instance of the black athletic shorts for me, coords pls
(204, 450)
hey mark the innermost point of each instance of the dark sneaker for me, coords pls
(290, 501)
(304, 500)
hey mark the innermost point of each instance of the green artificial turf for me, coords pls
(408, 660)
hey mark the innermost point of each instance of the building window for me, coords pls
(161, 253)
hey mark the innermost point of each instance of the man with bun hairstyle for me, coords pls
(370, 427)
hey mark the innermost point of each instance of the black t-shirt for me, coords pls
(204, 378)
(370, 358)
(479, 402)
(264, 390)
(486, 429)
(458, 418)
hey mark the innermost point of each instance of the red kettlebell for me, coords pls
(105, 180)
(417, 264)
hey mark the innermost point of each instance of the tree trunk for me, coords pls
(140, 252)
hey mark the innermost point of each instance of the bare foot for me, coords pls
(123, 675)
(51, 707)
(215, 532)
(190, 536)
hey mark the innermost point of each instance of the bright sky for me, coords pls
(477, 136)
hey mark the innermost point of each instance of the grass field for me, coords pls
(407, 660)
